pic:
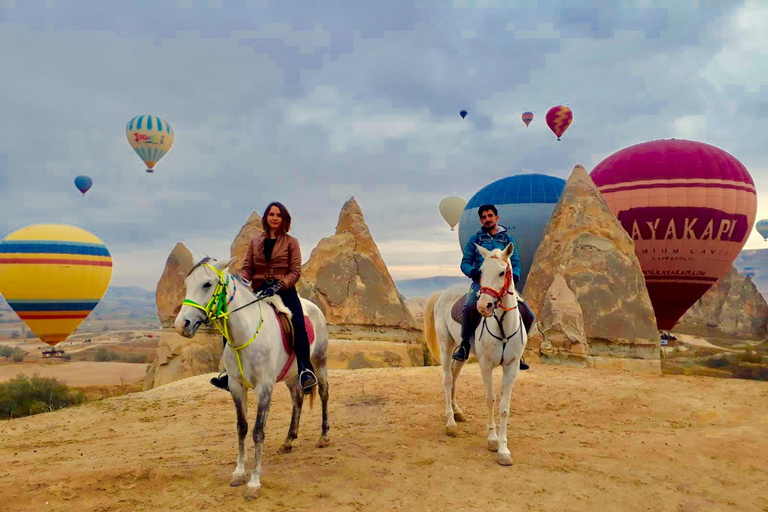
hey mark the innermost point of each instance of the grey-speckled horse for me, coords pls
(256, 343)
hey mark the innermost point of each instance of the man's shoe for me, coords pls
(307, 380)
(523, 365)
(222, 381)
(461, 353)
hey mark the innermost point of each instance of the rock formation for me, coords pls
(562, 325)
(347, 278)
(248, 232)
(733, 307)
(170, 290)
(587, 246)
(416, 306)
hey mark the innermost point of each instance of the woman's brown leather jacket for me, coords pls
(284, 264)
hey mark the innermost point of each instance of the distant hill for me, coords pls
(757, 259)
(424, 287)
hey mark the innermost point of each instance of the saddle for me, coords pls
(458, 308)
(286, 330)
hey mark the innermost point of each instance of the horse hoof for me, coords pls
(251, 493)
(286, 448)
(505, 459)
(493, 445)
(459, 416)
(323, 442)
(238, 480)
(451, 430)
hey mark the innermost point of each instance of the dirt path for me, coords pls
(79, 373)
(582, 439)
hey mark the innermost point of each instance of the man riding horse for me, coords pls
(491, 236)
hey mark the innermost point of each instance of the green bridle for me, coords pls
(216, 314)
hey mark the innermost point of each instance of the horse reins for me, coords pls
(498, 295)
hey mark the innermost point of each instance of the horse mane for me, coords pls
(202, 262)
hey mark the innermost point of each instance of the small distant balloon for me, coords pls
(463, 114)
(559, 118)
(451, 209)
(527, 118)
(762, 228)
(151, 137)
(83, 184)
(750, 272)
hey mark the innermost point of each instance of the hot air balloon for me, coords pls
(525, 203)
(463, 114)
(83, 184)
(689, 207)
(762, 228)
(151, 137)
(559, 118)
(53, 276)
(750, 272)
(527, 118)
(451, 208)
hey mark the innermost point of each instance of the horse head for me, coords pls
(495, 280)
(206, 286)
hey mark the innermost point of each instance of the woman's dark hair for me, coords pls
(286, 225)
(485, 208)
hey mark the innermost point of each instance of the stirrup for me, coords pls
(304, 387)
(221, 382)
(461, 353)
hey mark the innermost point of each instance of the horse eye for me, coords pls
(501, 274)
(207, 285)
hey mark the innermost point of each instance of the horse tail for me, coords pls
(430, 331)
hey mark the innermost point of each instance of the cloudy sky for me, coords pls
(310, 103)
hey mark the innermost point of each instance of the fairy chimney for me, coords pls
(170, 290)
(250, 230)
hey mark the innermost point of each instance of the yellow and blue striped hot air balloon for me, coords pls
(53, 276)
(151, 137)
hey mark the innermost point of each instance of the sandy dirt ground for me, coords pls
(79, 373)
(582, 439)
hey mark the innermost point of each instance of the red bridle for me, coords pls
(499, 294)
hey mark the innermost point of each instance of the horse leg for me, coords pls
(264, 397)
(507, 383)
(446, 360)
(240, 397)
(455, 370)
(322, 380)
(298, 400)
(486, 369)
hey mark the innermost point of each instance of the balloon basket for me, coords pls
(150, 170)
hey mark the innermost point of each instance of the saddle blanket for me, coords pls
(288, 346)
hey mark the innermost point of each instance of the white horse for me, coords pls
(499, 340)
(255, 357)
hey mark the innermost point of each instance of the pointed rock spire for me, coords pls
(170, 290)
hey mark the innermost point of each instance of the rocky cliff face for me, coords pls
(347, 278)
(250, 230)
(733, 307)
(170, 290)
(587, 246)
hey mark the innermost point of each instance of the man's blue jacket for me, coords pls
(473, 259)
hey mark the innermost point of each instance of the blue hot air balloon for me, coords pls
(762, 228)
(750, 271)
(525, 203)
(463, 114)
(83, 184)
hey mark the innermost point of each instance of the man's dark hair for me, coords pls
(485, 208)
(285, 226)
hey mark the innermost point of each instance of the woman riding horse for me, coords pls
(273, 266)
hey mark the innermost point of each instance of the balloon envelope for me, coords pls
(525, 203)
(689, 207)
(451, 209)
(463, 114)
(527, 118)
(151, 137)
(762, 228)
(53, 276)
(83, 184)
(750, 271)
(559, 118)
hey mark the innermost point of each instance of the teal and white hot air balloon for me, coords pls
(762, 228)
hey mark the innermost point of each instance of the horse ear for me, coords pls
(508, 250)
(483, 251)
(222, 265)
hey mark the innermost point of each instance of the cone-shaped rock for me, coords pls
(562, 326)
(347, 278)
(731, 308)
(170, 291)
(586, 244)
(250, 230)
